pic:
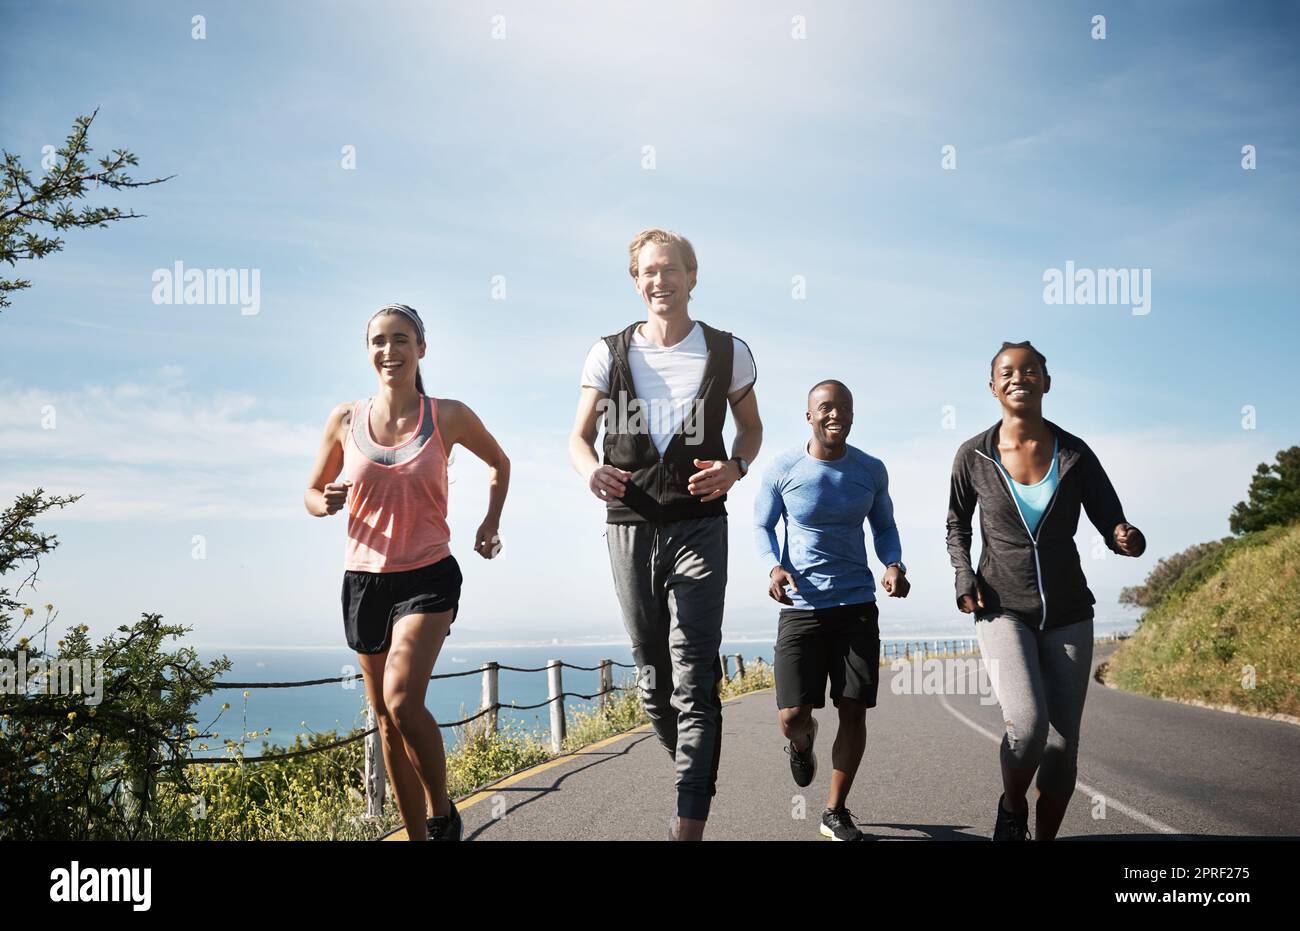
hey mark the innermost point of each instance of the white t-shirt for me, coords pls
(667, 378)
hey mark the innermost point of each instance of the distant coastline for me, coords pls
(611, 639)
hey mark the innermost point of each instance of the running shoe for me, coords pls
(803, 763)
(445, 827)
(1009, 826)
(837, 824)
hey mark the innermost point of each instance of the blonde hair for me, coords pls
(663, 238)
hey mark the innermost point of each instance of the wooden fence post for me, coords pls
(555, 683)
(376, 776)
(606, 681)
(489, 695)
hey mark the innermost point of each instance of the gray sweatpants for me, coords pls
(671, 581)
(1041, 680)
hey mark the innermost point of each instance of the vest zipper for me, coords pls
(627, 375)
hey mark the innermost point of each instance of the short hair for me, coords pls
(1042, 359)
(829, 381)
(663, 238)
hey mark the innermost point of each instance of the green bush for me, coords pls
(75, 770)
(317, 796)
(758, 675)
(1227, 631)
(1274, 498)
(623, 712)
(481, 756)
(1166, 572)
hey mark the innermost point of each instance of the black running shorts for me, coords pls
(842, 642)
(373, 601)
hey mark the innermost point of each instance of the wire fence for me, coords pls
(375, 775)
(889, 650)
(490, 706)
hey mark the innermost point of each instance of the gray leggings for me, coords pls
(1041, 681)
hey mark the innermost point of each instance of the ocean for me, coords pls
(341, 706)
(317, 708)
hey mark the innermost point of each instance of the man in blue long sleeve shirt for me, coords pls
(824, 491)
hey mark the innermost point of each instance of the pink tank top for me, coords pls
(397, 508)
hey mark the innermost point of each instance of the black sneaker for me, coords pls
(837, 824)
(1009, 826)
(445, 827)
(803, 763)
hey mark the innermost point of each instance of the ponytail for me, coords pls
(419, 380)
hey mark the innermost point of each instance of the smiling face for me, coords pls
(830, 412)
(394, 349)
(662, 279)
(1019, 381)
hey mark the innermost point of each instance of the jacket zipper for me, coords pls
(1033, 537)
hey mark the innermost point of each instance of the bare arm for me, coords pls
(462, 425)
(605, 481)
(586, 424)
(749, 426)
(324, 496)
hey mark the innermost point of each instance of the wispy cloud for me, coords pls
(151, 448)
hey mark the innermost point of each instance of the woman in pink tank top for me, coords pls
(401, 584)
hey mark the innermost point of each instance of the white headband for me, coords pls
(408, 312)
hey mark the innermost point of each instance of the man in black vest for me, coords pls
(663, 388)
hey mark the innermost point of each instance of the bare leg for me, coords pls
(417, 640)
(796, 725)
(689, 829)
(846, 753)
(1048, 814)
(408, 790)
(1015, 783)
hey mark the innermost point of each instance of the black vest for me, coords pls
(657, 491)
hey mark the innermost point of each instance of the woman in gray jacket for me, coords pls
(1032, 606)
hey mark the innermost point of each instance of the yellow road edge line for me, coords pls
(475, 798)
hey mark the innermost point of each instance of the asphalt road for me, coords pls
(1148, 769)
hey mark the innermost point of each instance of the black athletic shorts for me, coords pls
(372, 601)
(842, 642)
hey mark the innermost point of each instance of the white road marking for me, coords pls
(1111, 801)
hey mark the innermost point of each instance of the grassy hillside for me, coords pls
(1234, 610)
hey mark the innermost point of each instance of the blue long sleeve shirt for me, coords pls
(824, 505)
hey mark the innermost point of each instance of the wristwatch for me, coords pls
(901, 568)
(744, 466)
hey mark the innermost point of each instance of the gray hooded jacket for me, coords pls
(1036, 578)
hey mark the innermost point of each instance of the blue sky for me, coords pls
(522, 156)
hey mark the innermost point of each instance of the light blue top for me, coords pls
(1033, 499)
(824, 504)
